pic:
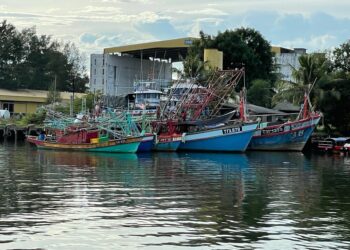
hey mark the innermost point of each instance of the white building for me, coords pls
(115, 74)
(286, 60)
(115, 71)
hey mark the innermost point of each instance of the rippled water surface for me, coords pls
(66, 200)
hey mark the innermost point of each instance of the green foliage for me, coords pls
(241, 47)
(194, 67)
(35, 118)
(286, 91)
(53, 96)
(260, 93)
(312, 68)
(334, 103)
(341, 58)
(11, 55)
(28, 60)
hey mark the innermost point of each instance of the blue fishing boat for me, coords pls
(288, 136)
(146, 144)
(232, 138)
(167, 142)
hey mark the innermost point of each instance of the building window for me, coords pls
(8, 106)
(94, 71)
(95, 61)
(95, 81)
(103, 71)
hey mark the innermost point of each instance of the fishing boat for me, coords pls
(167, 138)
(334, 145)
(128, 145)
(286, 136)
(82, 140)
(146, 144)
(231, 138)
(193, 116)
(167, 142)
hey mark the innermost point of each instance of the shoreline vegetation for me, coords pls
(28, 60)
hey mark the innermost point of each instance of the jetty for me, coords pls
(17, 133)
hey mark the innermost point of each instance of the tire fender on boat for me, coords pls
(155, 138)
(183, 139)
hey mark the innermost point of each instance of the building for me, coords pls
(114, 72)
(286, 60)
(28, 100)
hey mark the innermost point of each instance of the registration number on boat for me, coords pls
(272, 131)
(231, 130)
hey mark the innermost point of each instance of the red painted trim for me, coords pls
(283, 133)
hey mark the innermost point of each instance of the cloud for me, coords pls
(88, 38)
(205, 12)
(124, 1)
(314, 43)
(96, 24)
(160, 29)
(97, 10)
(108, 41)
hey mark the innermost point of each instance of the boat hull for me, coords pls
(223, 139)
(146, 144)
(167, 143)
(129, 145)
(286, 137)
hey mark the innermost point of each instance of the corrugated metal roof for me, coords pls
(173, 49)
(286, 106)
(257, 109)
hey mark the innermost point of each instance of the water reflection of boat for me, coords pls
(266, 159)
(83, 159)
(216, 159)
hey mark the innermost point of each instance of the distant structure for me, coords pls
(114, 72)
(286, 60)
(26, 101)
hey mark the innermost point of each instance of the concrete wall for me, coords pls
(25, 107)
(115, 75)
(22, 107)
(96, 73)
(286, 62)
(214, 58)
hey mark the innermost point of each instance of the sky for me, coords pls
(92, 25)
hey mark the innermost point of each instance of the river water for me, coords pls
(68, 200)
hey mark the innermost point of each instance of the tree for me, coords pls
(334, 102)
(11, 55)
(260, 93)
(341, 57)
(53, 95)
(28, 60)
(241, 47)
(286, 91)
(76, 68)
(313, 69)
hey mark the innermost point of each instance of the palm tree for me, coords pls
(312, 70)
